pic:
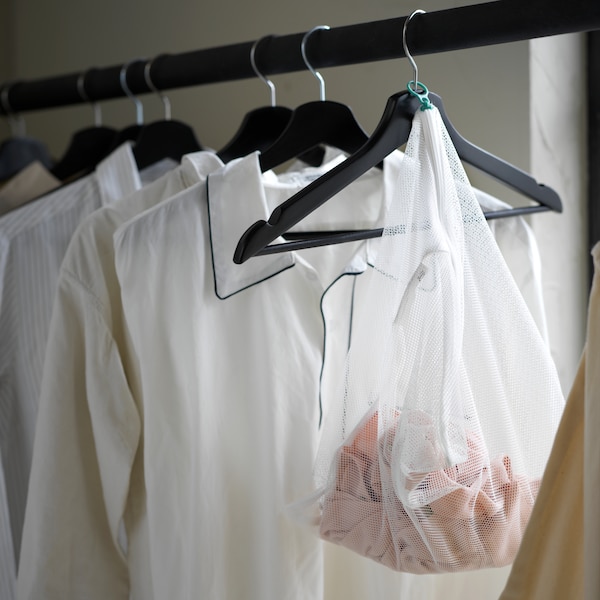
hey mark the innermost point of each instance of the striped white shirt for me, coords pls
(87, 313)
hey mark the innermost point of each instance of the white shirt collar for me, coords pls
(236, 199)
(118, 175)
(195, 166)
(239, 194)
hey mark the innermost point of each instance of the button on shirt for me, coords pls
(33, 241)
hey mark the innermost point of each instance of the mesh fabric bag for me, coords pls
(433, 451)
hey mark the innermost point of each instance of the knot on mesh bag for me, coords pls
(433, 449)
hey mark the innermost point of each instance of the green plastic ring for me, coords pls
(423, 96)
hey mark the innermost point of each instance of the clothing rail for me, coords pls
(440, 31)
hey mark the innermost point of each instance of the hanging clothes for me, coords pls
(519, 248)
(170, 527)
(88, 280)
(559, 554)
(197, 456)
(33, 241)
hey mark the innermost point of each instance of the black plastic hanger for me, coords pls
(258, 130)
(163, 139)
(261, 126)
(313, 124)
(392, 132)
(86, 149)
(88, 146)
(127, 134)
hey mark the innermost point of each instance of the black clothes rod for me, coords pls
(441, 31)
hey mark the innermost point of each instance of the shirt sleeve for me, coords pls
(87, 435)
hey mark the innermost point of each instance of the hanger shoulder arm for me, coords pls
(496, 167)
(392, 132)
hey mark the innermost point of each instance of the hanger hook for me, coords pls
(139, 107)
(84, 96)
(308, 65)
(257, 72)
(164, 98)
(405, 46)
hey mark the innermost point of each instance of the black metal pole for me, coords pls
(453, 29)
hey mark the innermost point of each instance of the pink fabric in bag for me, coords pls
(477, 525)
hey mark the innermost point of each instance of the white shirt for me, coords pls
(60, 513)
(33, 241)
(519, 248)
(203, 419)
(228, 381)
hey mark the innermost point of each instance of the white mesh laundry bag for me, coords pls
(433, 450)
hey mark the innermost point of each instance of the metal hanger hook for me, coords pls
(84, 96)
(308, 65)
(405, 46)
(139, 107)
(15, 121)
(258, 73)
(164, 98)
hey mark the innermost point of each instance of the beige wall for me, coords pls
(558, 156)
(493, 96)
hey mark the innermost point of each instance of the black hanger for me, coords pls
(88, 146)
(258, 130)
(86, 149)
(127, 134)
(163, 139)
(391, 133)
(313, 124)
(261, 126)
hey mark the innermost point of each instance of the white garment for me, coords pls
(227, 377)
(64, 462)
(518, 245)
(183, 540)
(222, 406)
(33, 241)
